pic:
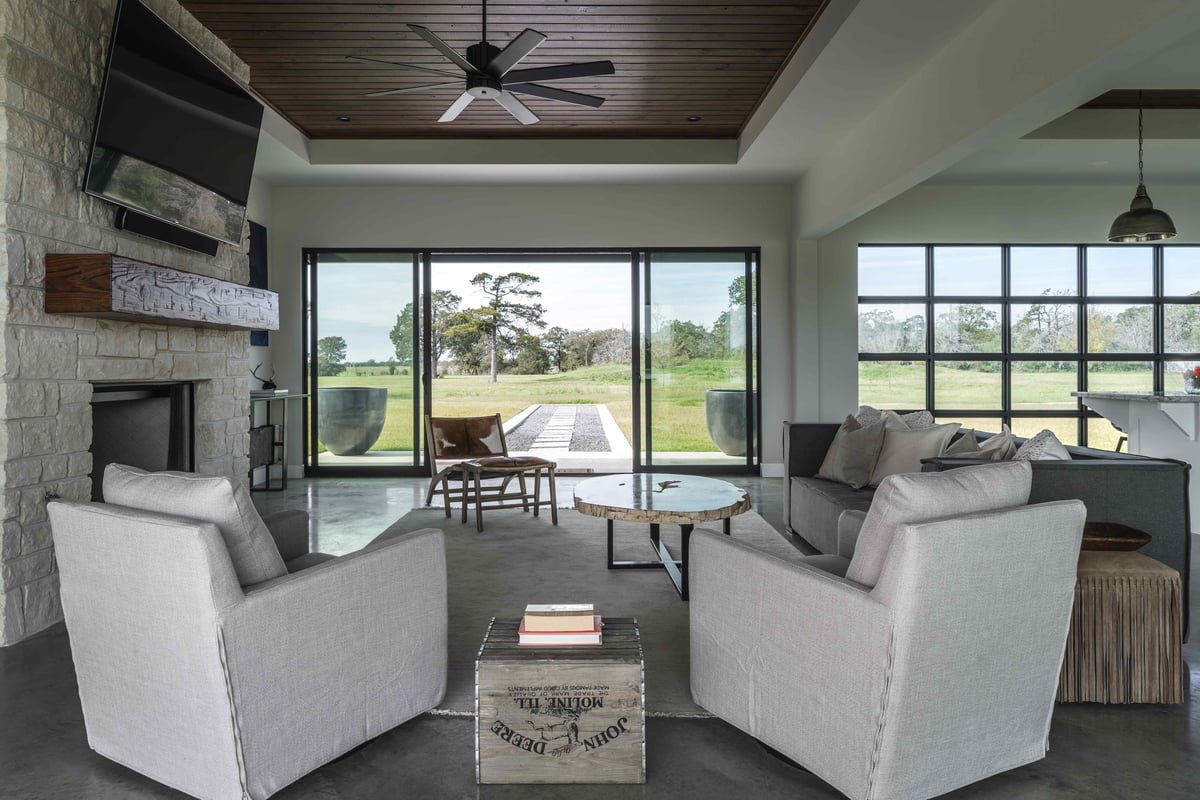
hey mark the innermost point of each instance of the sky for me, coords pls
(360, 301)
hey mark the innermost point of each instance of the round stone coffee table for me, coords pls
(659, 498)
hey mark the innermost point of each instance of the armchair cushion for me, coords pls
(911, 498)
(207, 498)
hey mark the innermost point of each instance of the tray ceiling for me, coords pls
(673, 60)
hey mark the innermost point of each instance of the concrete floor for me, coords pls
(1096, 751)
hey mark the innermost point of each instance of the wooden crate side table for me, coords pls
(560, 714)
(1124, 643)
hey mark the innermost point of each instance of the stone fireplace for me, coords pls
(51, 66)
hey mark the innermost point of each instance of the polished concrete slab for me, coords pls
(1096, 751)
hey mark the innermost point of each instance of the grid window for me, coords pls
(1006, 333)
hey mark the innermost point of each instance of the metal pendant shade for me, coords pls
(1142, 222)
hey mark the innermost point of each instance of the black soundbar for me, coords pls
(143, 225)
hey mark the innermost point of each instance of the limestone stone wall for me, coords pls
(52, 56)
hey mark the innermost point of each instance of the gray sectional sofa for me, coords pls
(1149, 494)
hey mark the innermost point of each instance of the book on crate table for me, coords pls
(559, 617)
(592, 634)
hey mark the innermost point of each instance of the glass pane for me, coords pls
(1122, 270)
(891, 328)
(1045, 327)
(1103, 436)
(1067, 430)
(1120, 376)
(1043, 385)
(1181, 328)
(1174, 372)
(966, 271)
(966, 384)
(1043, 270)
(891, 271)
(966, 328)
(1120, 329)
(365, 359)
(892, 384)
(1181, 271)
(691, 371)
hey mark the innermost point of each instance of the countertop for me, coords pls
(1147, 397)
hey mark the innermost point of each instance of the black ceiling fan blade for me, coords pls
(445, 49)
(518, 109)
(560, 71)
(456, 108)
(367, 60)
(426, 87)
(517, 49)
(561, 95)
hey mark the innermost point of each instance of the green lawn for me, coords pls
(678, 395)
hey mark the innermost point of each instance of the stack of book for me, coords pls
(560, 625)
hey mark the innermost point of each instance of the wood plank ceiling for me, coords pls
(674, 59)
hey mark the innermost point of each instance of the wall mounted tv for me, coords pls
(175, 136)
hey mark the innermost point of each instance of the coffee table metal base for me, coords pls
(677, 569)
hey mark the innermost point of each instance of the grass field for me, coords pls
(678, 393)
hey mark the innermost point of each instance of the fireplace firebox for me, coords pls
(146, 425)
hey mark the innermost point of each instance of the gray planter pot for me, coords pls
(725, 412)
(350, 418)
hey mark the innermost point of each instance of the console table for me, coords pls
(268, 439)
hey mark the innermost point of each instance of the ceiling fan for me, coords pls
(490, 74)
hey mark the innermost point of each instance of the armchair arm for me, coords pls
(289, 529)
(320, 659)
(793, 655)
(849, 526)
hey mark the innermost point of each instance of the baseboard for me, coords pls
(771, 470)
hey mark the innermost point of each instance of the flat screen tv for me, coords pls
(175, 136)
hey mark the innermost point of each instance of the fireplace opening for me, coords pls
(146, 425)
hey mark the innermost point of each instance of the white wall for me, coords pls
(953, 215)
(539, 216)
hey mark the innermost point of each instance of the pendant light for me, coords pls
(1142, 222)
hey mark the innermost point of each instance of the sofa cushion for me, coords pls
(1043, 446)
(913, 420)
(853, 453)
(999, 446)
(903, 449)
(966, 445)
(817, 504)
(910, 498)
(208, 498)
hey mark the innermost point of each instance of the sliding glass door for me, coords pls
(699, 354)
(363, 360)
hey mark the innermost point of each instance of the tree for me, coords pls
(508, 311)
(532, 357)
(555, 342)
(466, 340)
(967, 328)
(331, 356)
(443, 304)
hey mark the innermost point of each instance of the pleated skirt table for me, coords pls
(1124, 644)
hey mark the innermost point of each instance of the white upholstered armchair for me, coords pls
(932, 666)
(229, 691)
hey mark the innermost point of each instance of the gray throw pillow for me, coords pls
(920, 497)
(852, 455)
(965, 446)
(914, 419)
(999, 446)
(903, 449)
(1044, 446)
(208, 498)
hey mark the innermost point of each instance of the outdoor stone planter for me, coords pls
(725, 412)
(350, 418)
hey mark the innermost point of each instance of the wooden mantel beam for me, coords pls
(115, 287)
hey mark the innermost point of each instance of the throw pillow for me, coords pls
(999, 446)
(208, 498)
(1044, 446)
(915, 419)
(965, 446)
(853, 453)
(903, 449)
(907, 499)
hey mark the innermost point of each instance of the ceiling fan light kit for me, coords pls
(490, 74)
(1142, 222)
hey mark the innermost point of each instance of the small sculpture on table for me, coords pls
(268, 384)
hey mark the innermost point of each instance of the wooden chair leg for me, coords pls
(445, 495)
(466, 477)
(524, 494)
(537, 491)
(429, 494)
(553, 497)
(478, 503)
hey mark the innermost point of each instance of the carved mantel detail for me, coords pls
(115, 287)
